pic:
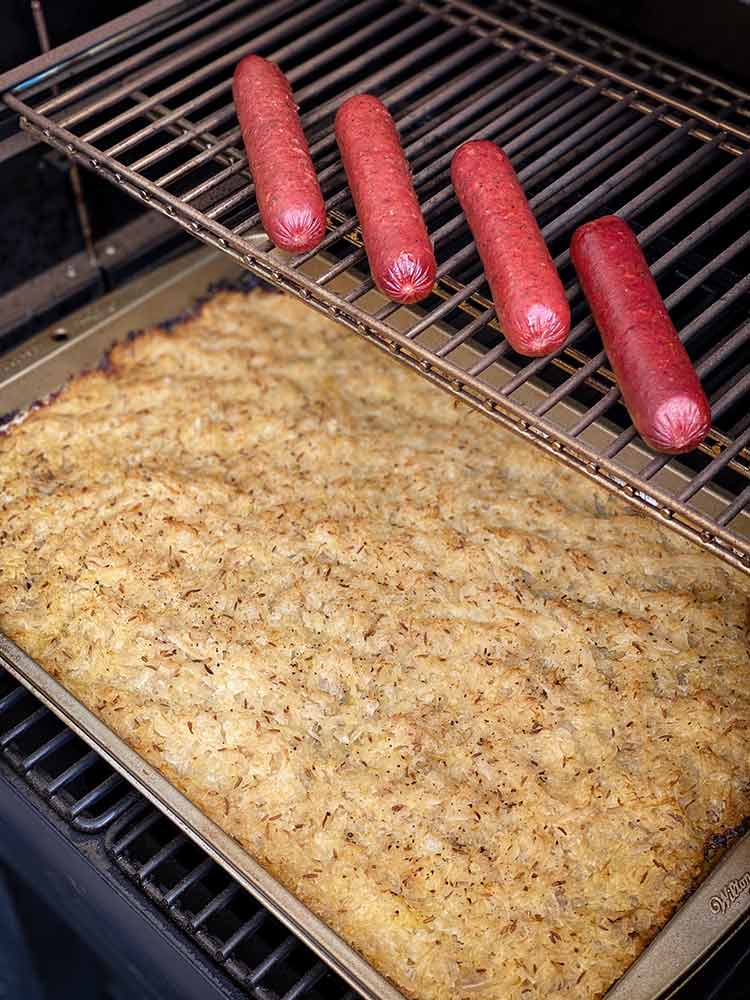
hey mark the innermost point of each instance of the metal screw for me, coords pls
(71, 271)
(110, 250)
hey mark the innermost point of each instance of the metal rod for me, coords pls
(84, 219)
(467, 332)
(736, 507)
(217, 903)
(250, 927)
(279, 954)
(93, 796)
(199, 872)
(705, 477)
(167, 851)
(51, 745)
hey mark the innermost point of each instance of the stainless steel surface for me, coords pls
(46, 361)
(592, 128)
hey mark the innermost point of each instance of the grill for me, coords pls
(593, 123)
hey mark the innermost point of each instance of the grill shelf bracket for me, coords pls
(593, 123)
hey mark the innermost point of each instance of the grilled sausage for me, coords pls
(286, 186)
(659, 385)
(398, 246)
(529, 297)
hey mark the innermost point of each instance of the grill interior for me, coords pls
(252, 946)
(593, 124)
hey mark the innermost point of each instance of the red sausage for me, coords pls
(658, 382)
(526, 288)
(286, 185)
(398, 246)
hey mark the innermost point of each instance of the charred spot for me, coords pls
(719, 842)
(9, 417)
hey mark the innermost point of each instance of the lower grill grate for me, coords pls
(252, 945)
(236, 931)
(593, 124)
(57, 764)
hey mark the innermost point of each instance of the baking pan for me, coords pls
(710, 915)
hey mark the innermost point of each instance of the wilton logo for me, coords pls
(730, 893)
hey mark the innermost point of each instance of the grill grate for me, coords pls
(57, 764)
(236, 931)
(593, 125)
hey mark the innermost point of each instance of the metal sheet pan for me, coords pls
(710, 915)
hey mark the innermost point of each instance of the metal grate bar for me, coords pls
(12, 698)
(736, 507)
(590, 131)
(705, 477)
(71, 773)
(189, 880)
(23, 726)
(168, 851)
(217, 903)
(127, 838)
(279, 954)
(46, 749)
(306, 983)
(250, 927)
(97, 794)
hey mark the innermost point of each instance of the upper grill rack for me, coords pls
(592, 125)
